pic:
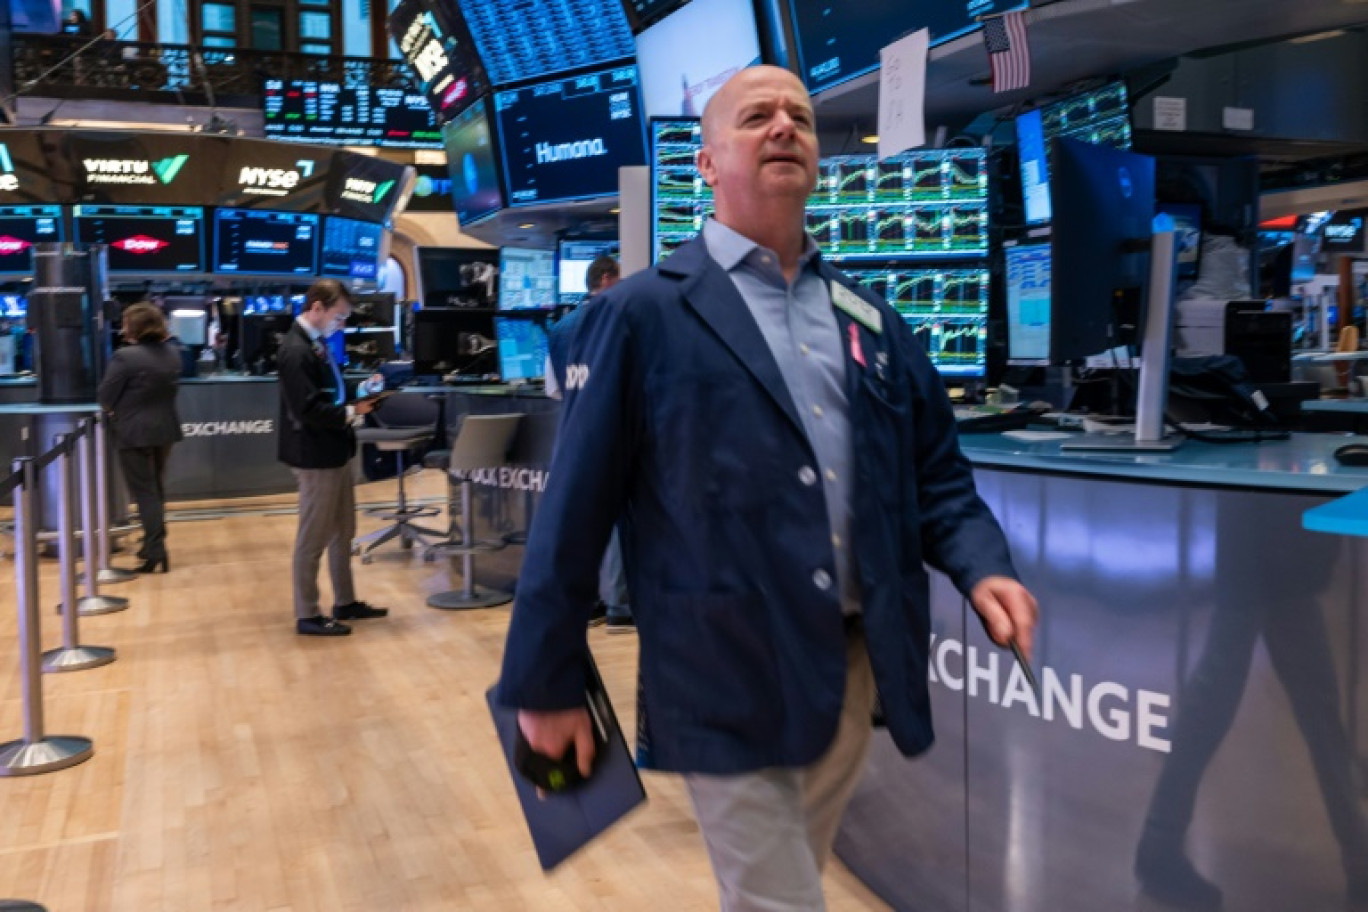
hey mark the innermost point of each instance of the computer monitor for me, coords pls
(144, 239)
(473, 164)
(1028, 304)
(457, 276)
(263, 242)
(1103, 202)
(261, 336)
(455, 340)
(372, 309)
(252, 305)
(13, 306)
(686, 56)
(352, 249)
(1187, 223)
(946, 307)
(527, 278)
(572, 267)
(1100, 116)
(522, 349)
(20, 228)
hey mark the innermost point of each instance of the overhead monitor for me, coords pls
(432, 189)
(1103, 202)
(1344, 232)
(1028, 304)
(680, 200)
(262, 242)
(433, 39)
(572, 267)
(333, 113)
(472, 161)
(352, 249)
(1100, 116)
(455, 340)
(686, 56)
(520, 41)
(565, 140)
(20, 228)
(144, 239)
(522, 349)
(527, 278)
(457, 276)
(946, 307)
(839, 40)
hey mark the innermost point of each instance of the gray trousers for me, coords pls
(769, 833)
(327, 520)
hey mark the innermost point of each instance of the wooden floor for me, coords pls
(239, 766)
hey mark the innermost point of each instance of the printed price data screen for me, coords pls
(326, 112)
(522, 40)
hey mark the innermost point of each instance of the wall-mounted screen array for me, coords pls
(330, 113)
(1100, 117)
(351, 249)
(686, 57)
(565, 140)
(527, 278)
(1028, 304)
(471, 159)
(523, 40)
(20, 228)
(145, 239)
(258, 242)
(839, 40)
(572, 267)
(946, 307)
(926, 205)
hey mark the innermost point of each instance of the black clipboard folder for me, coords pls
(563, 822)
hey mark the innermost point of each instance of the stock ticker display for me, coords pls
(300, 110)
(522, 40)
(912, 228)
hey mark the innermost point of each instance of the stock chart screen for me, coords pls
(20, 228)
(840, 40)
(1100, 117)
(947, 309)
(299, 110)
(680, 200)
(145, 239)
(522, 40)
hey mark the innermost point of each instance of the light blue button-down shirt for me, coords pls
(800, 327)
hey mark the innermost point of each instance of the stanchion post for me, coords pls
(72, 656)
(108, 573)
(36, 753)
(94, 602)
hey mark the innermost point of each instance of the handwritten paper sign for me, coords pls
(902, 94)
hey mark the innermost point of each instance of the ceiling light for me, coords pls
(527, 225)
(870, 139)
(1319, 36)
(614, 211)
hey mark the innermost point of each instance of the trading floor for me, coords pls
(239, 766)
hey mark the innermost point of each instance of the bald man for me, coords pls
(785, 459)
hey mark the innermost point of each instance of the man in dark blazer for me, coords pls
(316, 440)
(786, 460)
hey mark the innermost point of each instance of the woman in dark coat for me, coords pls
(139, 393)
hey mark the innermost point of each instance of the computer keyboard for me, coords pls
(979, 419)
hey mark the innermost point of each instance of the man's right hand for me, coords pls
(551, 733)
(364, 406)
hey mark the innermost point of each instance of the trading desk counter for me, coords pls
(1198, 655)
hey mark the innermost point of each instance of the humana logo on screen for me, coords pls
(585, 148)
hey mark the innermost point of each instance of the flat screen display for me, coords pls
(680, 201)
(522, 349)
(572, 267)
(565, 140)
(1100, 117)
(523, 40)
(1343, 232)
(13, 306)
(20, 228)
(145, 239)
(947, 308)
(473, 164)
(458, 276)
(1028, 304)
(527, 278)
(259, 242)
(351, 249)
(431, 189)
(839, 40)
(685, 57)
(433, 39)
(311, 111)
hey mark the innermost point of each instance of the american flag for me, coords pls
(1008, 52)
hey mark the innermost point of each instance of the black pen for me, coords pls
(1025, 667)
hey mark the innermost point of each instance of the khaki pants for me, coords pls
(327, 521)
(769, 833)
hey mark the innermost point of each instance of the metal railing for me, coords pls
(183, 73)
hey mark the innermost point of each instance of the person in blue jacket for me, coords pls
(785, 460)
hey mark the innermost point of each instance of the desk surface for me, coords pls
(1302, 463)
(1349, 406)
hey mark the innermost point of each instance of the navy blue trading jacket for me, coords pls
(677, 418)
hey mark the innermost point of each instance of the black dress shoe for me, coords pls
(320, 626)
(151, 565)
(358, 611)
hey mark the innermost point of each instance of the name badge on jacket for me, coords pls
(857, 307)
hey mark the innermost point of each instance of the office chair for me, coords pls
(406, 422)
